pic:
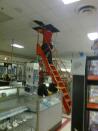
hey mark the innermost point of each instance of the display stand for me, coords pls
(91, 94)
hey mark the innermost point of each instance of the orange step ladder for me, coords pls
(52, 71)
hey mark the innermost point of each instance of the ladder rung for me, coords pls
(51, 64)
(57, 76)
(70, 106)
(58, 79)
(53, 69)
(66, 94)
(61, 88)
(67, 97)
(55, 72)
(64, 91)
(60, 84)
(68, 100)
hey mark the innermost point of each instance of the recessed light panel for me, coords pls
(93, 36)
(17, 46)
(69, 1)
(5, 58)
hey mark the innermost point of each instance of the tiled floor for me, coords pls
(66, 125)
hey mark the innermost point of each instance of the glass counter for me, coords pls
(23, 111)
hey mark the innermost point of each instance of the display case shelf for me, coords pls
(92, 106)
(12, 112)
(25, 126)
(93, 77)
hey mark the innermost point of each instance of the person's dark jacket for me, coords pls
(42, 90)
(52, 88)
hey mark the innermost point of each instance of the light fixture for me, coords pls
(93, 36)
(5, 58)
(17, 45)
(69, 1)
(64, 70)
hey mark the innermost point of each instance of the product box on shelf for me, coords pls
(93, 67)
(93, 125)
(93, 94)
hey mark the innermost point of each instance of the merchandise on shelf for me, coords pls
(22, 121)
(93, 126)
(92, 67)
(93, 94)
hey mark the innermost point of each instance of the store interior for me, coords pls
(48, 65)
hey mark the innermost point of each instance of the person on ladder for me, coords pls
(47, 45)
(47, 31)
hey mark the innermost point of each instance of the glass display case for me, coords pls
(20, 111)
(91, 94)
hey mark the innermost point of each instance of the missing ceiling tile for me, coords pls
(4, 17)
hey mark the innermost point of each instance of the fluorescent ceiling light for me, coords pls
(64, 70)
(69, 1)
(5, 58)
(17, 46)
(93, 36)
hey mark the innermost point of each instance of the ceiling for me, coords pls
(16, 18)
